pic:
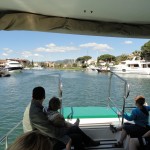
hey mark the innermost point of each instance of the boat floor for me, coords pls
(103, 134)
(96, 124)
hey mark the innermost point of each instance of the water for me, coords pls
(79, 89)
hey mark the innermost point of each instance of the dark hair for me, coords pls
(140, 100)
(38, 93)
(33, 140)
(54, 103)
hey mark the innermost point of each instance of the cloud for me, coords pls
(95, 46)
(128, 42)
(8, 50)
(37, 55)
(52, 48)
(5, 54)
(27, 54)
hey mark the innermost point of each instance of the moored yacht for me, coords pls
(132, 67)
(37, 68)
(13, 66)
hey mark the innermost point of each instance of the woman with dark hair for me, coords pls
(33, 140)
(140, 116)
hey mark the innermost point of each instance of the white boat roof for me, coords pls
(119, 18)
(135, 62)
(12, 61)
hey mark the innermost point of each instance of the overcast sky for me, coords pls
(42, 46)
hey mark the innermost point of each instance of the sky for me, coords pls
(44, 46)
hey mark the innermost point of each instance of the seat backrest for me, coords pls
(26, 120)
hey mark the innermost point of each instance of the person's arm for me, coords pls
(59, 121)
(68, 124)
(130, 117)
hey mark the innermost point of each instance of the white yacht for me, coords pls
(37, 68)
(13, 66)
(132, 67)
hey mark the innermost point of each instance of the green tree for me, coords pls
(106, 57)
(145, 51)
(137, 53)
(122, 57)
(74, 65)
(32, 63)
(83, 59)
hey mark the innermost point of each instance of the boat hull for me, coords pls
(14, 69)
(131, 71)
(13, 66)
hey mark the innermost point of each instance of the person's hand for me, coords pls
(68, 125)
(120, 113)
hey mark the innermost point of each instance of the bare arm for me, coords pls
(59, 121)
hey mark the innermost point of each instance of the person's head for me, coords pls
(38, 93)
(54, 104)
(140, 100)
(33, 140)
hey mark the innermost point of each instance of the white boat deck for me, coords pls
(103, 134)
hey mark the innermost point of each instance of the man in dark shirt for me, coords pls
(39, 120)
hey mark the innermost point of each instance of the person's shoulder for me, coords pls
(147, 107)
(135, 110)
(51, 112)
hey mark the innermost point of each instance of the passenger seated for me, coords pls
(72, 130)
(39, 120)
(140, 116)
(33, 140)
(61, 136)
(55, 117)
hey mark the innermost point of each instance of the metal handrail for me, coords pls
(60, 85)
(5, 137)
(126, 94)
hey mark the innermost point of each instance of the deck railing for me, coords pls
(4, 139)
(125, 95)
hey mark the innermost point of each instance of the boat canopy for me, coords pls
(116, 18)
